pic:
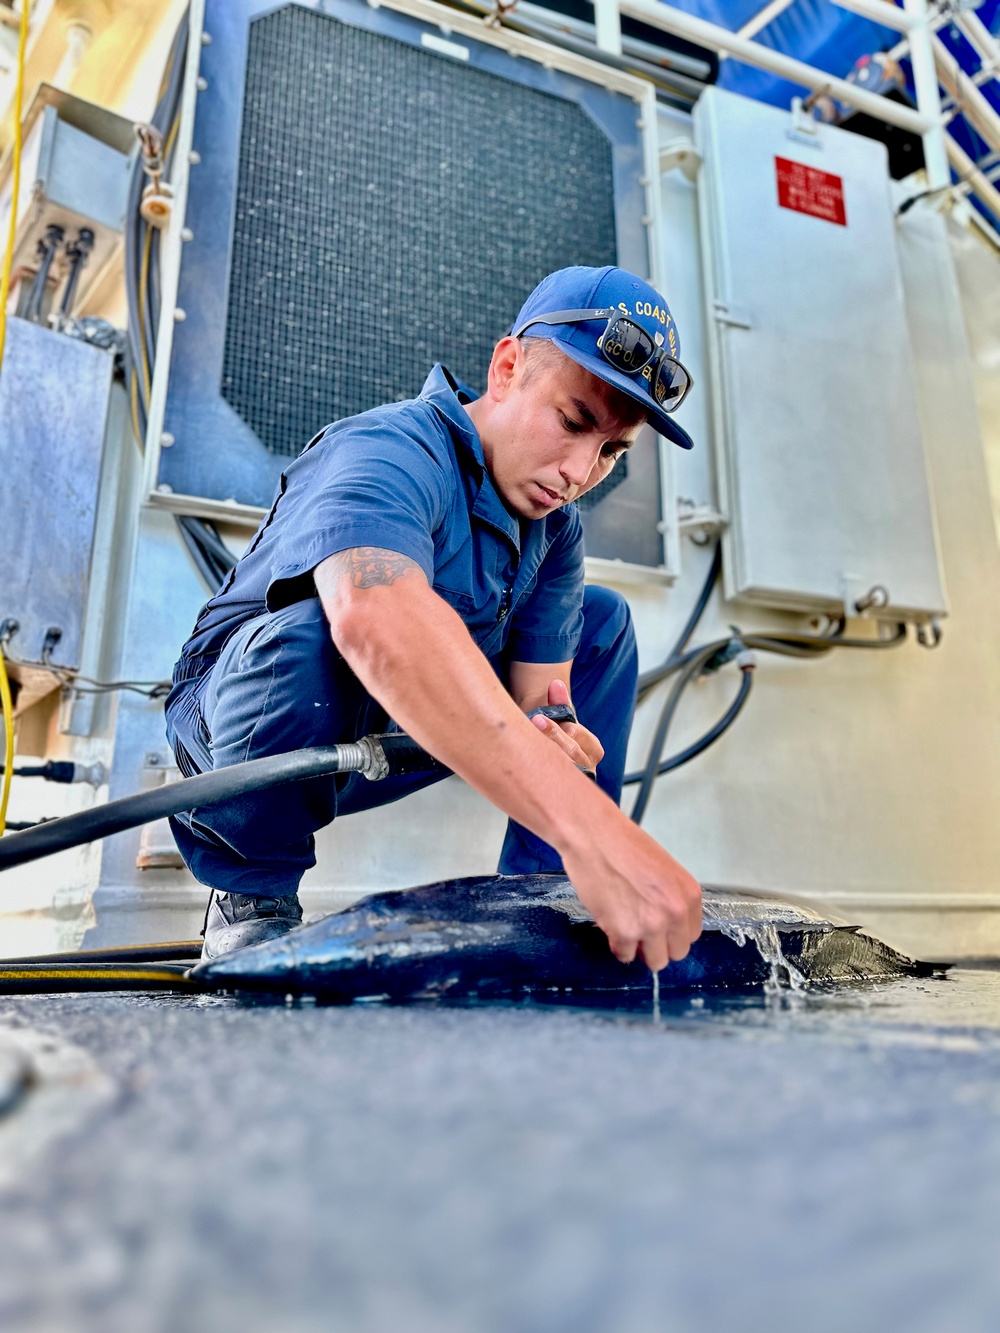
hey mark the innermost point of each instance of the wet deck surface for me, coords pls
(827, 1167)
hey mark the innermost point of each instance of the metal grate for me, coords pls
(604, 488)
(394, 207)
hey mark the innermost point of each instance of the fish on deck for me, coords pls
(501, 936)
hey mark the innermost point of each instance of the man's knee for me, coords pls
(607, 621)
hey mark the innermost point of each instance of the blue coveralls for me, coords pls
(260, 674)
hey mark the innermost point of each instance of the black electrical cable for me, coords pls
(693, 662)
(694, 668)
(211, 556)
(78, 252)
(151, 689)
(48, 250)
(198, 556)
(650, 678)
(709, 738)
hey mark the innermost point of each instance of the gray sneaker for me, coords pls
(237, 920)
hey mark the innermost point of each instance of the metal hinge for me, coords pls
(726, 312)
(699, 521)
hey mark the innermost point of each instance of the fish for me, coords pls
(504, 936)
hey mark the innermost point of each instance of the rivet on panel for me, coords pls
(180, 315)
(194, 157)
(166, 440)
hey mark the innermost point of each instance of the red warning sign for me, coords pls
(807, 190)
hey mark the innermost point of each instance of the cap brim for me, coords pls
(662, 423)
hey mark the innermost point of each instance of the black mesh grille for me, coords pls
(604, 488)
(394, 208)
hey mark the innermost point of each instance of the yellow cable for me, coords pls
(143, 279)
(168, 146)
(6, 703)
(133, 396)
(8, 263)
(8, 740)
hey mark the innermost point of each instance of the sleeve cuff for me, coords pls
(541, 648)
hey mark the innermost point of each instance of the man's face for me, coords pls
(550, 430)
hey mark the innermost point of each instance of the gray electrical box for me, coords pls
(818, 438)
(54, 393)
(75, 170)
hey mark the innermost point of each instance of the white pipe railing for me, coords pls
(982, 41)
(880, 11)
(760, 21)
(926, 121)
(925, 82)
(608, 24)
(971, 102)
(675, 21)
(968, 172)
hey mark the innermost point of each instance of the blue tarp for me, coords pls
(832, 39)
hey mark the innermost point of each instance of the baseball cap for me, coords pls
(582, 288)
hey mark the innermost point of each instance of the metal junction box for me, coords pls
(819, 447)
(75, 172)
(54, 393)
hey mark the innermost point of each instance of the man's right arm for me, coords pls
(413, 654)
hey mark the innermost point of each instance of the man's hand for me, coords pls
(644, 901)
(581, 745)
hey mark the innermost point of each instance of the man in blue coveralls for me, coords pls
(423, 563)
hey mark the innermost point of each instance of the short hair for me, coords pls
(538, 354)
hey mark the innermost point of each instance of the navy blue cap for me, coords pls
(581, 288)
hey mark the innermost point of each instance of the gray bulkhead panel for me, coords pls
(818, 439)
(54, 393)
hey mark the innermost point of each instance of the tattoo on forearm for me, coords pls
(373, 567)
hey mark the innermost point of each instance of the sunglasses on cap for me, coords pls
(627, 347)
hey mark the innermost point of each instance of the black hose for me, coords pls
(693, 669)
(397, 754)
(211, 575)
(176, 952)
(211, 556)
(188, 793)
(650, 678)
(709, 738)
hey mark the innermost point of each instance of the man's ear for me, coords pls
(506, 368)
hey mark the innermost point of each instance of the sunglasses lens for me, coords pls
(627, 346)
(670, 383)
